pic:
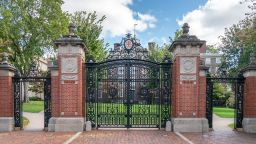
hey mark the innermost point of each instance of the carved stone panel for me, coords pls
(69, 65)
(188, 77)
(188, 65)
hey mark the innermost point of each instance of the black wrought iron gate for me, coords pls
(237, 85)
(128, 93)
(18, 83)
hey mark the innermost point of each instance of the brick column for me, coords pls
(249, 120)
(6, 95)
(188, 99)
(67, 99)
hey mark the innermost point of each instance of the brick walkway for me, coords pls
(126, 137)
(221, 137)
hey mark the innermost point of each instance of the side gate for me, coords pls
(18, 87)
(237, 86)
(128, 93)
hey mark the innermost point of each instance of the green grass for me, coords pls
(33, 106)
(231, 125)
(25, 121)
(223, 112)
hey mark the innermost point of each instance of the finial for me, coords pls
(166, 59)
(252, 59)
(128, 35)
(72, 29)
(185, 28)
(5, 58)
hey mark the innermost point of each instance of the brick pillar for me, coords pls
(67, 85)
(188, 99)
(6, 95)
(249, 117)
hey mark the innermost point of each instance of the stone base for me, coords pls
(168, 126)
(60, 124)
(190, 125)
(249, 125)
(6, 124)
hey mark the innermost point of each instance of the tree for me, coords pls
(222, 96)
(238, 42)
(28, 28)
(89, 28)
(157, 53)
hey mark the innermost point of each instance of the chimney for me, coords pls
(117, 46)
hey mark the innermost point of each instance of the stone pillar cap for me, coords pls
(4, 65)
(71, 38)
(186, 39)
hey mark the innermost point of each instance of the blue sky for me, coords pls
(166, 12)
(158, 19)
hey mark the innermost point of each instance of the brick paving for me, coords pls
(221, 137)
(126, 137)
(24, 137)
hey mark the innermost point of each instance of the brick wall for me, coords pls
(71, 92)
(188, 97)
(6, 96)
(250, 97)
(55, 96)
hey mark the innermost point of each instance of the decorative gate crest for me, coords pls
(128, 90)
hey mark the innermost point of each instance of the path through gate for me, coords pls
(237, 86)
(18, 83)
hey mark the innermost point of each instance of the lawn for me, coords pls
(25, 121)
(231, 125)
(33, 106)
(223, 112)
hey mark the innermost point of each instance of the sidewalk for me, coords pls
(36, 121)
(221, 124)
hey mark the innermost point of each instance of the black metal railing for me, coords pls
(18, 83)
(237, 84)
(128, 93)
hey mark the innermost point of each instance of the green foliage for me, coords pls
(223, 112)
(212, 49)
(221, 95)
(89, 29)
(28, 29)
(35, 98)
(33, 106)
(157, 53)
(238, 43)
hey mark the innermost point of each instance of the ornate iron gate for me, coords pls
(18, 91)
(128, 93)
(238, 88)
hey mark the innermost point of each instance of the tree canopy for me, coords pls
(89, 28)
(238, 43)
(28, 29)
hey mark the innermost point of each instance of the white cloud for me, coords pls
(208, 22)
(120, 18)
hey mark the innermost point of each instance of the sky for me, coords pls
(157, 20)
